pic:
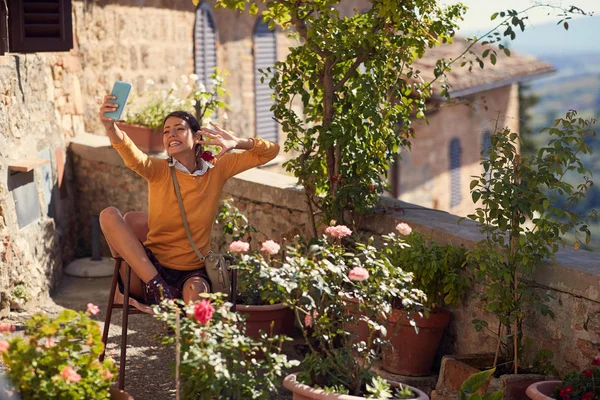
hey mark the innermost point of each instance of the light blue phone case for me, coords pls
(121, 92)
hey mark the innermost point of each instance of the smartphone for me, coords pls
(121, 91)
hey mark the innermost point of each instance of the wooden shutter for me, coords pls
(265, 56)
(40, 25)
(455, 153)
(205, 44)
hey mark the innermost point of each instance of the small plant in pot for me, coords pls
(316, 279)
(525, 207)
(58, 358)
(216, 358)
(576, 385)
(439, 271)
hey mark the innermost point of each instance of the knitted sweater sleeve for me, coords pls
(232, 164)
(147, 167)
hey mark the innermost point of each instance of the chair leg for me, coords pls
(234, 290)
(109, 308)
(124, 327)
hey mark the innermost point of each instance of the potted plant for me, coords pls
(216, 358)
(316, 279)
(576, 385)
(258, 298)
(144, 122)
(58, 358)
(439, 271)
(525, 207)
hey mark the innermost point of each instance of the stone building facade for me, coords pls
(49, 98)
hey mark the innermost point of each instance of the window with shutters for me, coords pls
(265, 56)
(205, 44)
(455, 154)
(486, 143)
(31, 26)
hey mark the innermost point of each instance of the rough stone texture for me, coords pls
(31, 105)
(275, 206)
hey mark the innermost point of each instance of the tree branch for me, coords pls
(300, 26)
(352, 70)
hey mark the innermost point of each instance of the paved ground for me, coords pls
(149, 368)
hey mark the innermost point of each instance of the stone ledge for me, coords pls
(576, 273)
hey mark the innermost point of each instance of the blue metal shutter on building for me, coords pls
(205, 44)
(486, 143)
(455, 153)
(265, 56)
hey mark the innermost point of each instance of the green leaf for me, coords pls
(507, 52)
(566, 25)
(494, 15)
(476, 381)
(493, 59)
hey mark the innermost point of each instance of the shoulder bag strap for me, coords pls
(183, 217)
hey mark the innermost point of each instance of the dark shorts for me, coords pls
(173, 277)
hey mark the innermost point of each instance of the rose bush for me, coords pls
(218, 359)
(581, 385)
(317, 280)
(58, 358)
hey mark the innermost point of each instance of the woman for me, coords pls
(165, 265)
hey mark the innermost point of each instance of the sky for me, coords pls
(478, 15)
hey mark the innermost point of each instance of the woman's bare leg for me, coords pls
(193, 287)
(121, 238)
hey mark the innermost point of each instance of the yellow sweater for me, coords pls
(201, 194)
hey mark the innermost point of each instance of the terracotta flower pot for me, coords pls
(542, 390)
(361, 331)
(305, 392)
(260, 318)
(413, 354)
(146, 139)
(116, 394)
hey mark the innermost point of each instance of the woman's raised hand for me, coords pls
(219, 137)
(106, 107)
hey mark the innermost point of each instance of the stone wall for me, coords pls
(277, 208)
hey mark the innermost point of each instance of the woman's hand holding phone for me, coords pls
(112, 131)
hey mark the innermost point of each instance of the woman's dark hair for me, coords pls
(187, 117)
(191, 121)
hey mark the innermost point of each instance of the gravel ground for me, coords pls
(149, 369)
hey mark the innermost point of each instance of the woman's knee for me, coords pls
(108, 215)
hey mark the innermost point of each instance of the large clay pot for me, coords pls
(361, 331)
(413, 354)
(542, 390)
(260, 318)
(146, 139)
(304, 392)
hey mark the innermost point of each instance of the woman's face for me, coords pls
(177, 136)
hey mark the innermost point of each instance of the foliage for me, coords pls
(472, 386)
(359, 94)
(58, 358)
(318, 280)
(580, 385)
(234, 224)
(218, 358)
(522, 223)
(189, 95)
(438, 270)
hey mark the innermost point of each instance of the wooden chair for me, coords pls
(138, 221)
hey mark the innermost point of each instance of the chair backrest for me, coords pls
(138, 221)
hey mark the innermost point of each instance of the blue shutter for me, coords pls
(486, 143)
(455, 153)
(265, 56)
(205, 44)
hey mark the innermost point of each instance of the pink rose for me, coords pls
(596, 360)
(93, 309)
(358, 274)
(308, 320)
(338, 231)
(203, 311)
(270, 247)
(70, 375)
(7, 328)
(238, 246)
(207, 156)
(49, 343)
(4, 345)
(108, 375)
(404, 228)
(588, 373)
